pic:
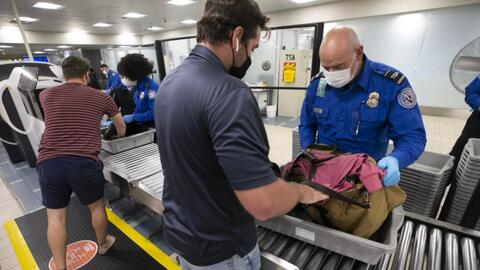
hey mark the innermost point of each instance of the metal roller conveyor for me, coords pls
(317, 259)
(451, 252)
(402, 249)
(280, 245)
(301, 258)
(424, 243)
(332, 261)
(136, 164)
(468, 254)
(269, 240)
(291, 251)
(384, 264)
(149, 192)
(435, 250)
(346, 264)
(418, 255)
(261, 232)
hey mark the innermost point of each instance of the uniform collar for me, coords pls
(207, 54)
(143, 82)
(363, 78)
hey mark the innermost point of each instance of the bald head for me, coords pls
(339, 47)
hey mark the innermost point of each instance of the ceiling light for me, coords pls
(77, 32)
(189, 21)
(5, 46)
(46, 5)
(25, 20)
(39, 52)
(180, 2)
(302, 1)
(50, 50)
(154, 28)
(102, 24)
(64, 47)
(133, 15)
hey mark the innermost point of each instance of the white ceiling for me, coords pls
(82, 14)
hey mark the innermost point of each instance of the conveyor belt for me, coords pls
(423, 244)
(28, 236)
(136, 164)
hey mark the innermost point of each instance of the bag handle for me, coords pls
(336, 195)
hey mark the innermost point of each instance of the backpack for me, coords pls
(358, 204)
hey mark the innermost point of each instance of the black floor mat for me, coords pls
(125, 255)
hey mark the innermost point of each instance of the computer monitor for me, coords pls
(26, 87)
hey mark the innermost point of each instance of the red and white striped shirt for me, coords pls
(72, 115)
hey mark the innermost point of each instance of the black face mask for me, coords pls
(240, 72)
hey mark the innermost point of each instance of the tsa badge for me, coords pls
(142, 95)
(151, 94)
(373, 99)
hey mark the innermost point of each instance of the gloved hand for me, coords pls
(392, 176)
(107, 123)
(107, 91)
(128, 118)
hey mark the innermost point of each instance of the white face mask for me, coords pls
(128, 83)
(340, 78)
(105, 72)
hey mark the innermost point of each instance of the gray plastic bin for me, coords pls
(127, 143)
(466, 181)
(425, 183)
(355, 247)
(296, 148)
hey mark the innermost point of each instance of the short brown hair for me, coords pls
(222, 16)
(75, 67)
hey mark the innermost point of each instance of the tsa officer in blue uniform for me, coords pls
(358, 105)
(135, 70)
(472, 127)
(113, 79)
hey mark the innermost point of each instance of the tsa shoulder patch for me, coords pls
(407, 98)
(151, 94)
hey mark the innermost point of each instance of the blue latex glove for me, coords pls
(392, 176)
(128, 118)
(107, 123)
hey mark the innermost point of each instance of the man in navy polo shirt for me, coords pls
(214, 148)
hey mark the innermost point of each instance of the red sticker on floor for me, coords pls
(78, 254)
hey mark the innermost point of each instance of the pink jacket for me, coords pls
(333, 172)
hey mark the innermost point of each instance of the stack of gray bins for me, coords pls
(467, 179)
(425, 182)
(296, 147)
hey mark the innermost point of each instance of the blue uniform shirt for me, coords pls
(113, 81)
(472, 94)
(144, 97)
(361, 117)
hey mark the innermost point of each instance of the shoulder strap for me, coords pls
(333, 194)
(336, 195)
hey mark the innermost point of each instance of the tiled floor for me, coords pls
(22, 181)
(10, 210)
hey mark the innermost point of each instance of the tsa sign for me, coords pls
(289, 72)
